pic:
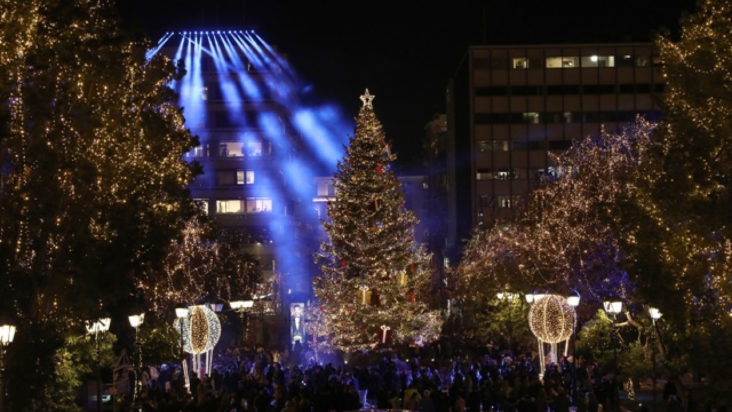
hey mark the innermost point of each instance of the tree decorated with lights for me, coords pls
(92, 179)
(199, 268)
(561, 243)
(678, 226)
(375, 278)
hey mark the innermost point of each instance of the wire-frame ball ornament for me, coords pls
(551, 319)
(201, 330)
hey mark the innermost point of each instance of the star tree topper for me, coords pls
(367, 98)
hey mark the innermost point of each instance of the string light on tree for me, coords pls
(370, 248)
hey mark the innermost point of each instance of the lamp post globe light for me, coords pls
(7, 334)
(574, 301)
(135, 322)
(655, 315)
(613, 308)
(94, 329)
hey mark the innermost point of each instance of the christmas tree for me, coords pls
(375, 278)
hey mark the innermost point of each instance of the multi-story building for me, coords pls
(511, 107)
(239, 99)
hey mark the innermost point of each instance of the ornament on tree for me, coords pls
(412, 297)
(379, 169)
(402, 279)
(343, 263)
(385, 334)
(364, 295)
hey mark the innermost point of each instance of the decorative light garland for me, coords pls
(551, 319)
(201, 330)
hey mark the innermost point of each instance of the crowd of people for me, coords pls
(245, 379)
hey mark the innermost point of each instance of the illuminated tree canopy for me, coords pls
(92, 180)
(199, 268)
(374, 274)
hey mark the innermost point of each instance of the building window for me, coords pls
(508, 202)
(506, 174)
(520, 63)
(244, 177)
(196, 152)
(238, 149)
(493, 145)
(484, 175)
(323, 188)
(254, 148)
(202, 204)
(531, 117)
(231, 149)
(259, 205)
(598, 61)
(233, 206)
(625, 60)
(562, 62)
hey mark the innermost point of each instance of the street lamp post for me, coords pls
(135, 322)
(655, 315)
(94, 329)
(181, 313)
(242, 307)
(7, 334)
(614, 308)
(574, 301)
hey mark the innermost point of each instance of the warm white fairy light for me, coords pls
(551, 319)
(201, 330)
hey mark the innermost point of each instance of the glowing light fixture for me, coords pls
(181, 312)
(613, 307)
(101, 325)
(655, 313)
(551, 319)
(201, 331)
(574, 300)
(593, 58)
(241, 304)
(7, 334)
(136, 320)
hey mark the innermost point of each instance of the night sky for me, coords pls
(404, 56)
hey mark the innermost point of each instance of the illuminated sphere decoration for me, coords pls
(551, 319)
(201, 330)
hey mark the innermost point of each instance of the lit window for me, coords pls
(323, 188)
(244, 177)
(202, 204)
(196, 152)
(493, 145)
(259, 205)
(254, 148)
(508, 202)
(598, 61)
(520, 63)
(229, 206)
(484, 175)
(562, 62)
(567, 117)
(231, 149)
(531, 117)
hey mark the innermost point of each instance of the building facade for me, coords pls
(510, 108)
